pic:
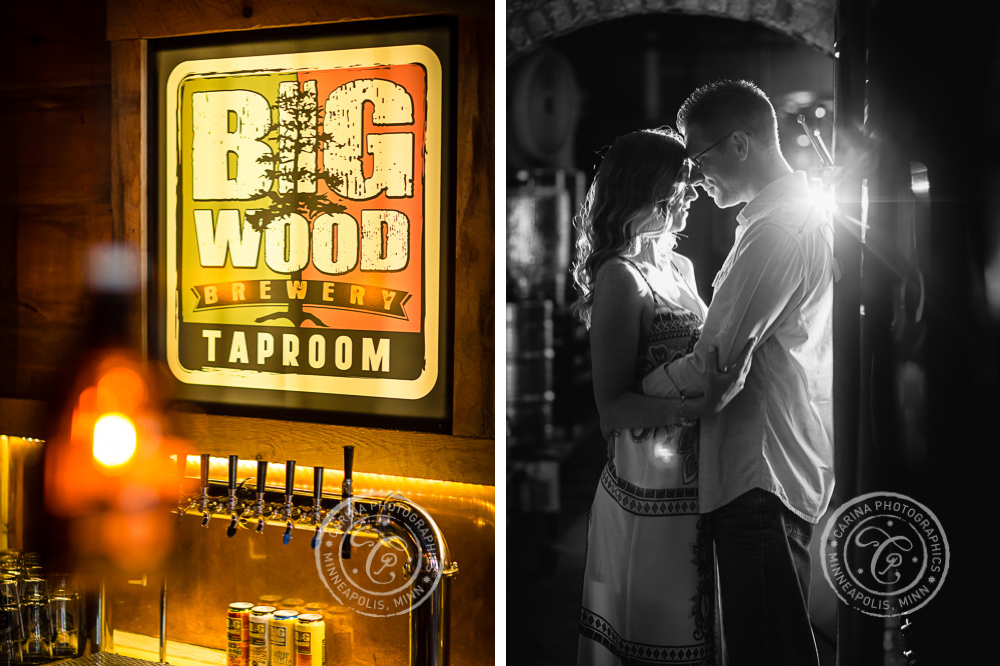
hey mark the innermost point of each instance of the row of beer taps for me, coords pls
(252, 512)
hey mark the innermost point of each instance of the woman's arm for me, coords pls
(622, 302)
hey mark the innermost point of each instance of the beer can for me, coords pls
(260, 619)
(340, 634)
(315, 607)
(238, 634)
(310, 640)
(282, 637)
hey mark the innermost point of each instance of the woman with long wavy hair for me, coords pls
(648, 593)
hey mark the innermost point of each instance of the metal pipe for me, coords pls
(105, 633)
(824, 158)
(163, 620)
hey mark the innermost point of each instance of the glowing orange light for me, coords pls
(122, 389)
(114, 440)
(106, 472)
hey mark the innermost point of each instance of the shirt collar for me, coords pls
(793, 186)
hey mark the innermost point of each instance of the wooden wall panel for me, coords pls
(474, 232)
(54, 44)
(51, 249)
(392, 452)
(54, 144)
(128, 19)
(128, 161)
(55, 193)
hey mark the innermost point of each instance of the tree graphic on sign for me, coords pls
(295, 170)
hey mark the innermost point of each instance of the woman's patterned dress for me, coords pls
(648, 595)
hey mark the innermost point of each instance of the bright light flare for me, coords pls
(823, 198)
(114, 440)
(663, 453)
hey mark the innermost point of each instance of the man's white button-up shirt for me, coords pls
(775, 285)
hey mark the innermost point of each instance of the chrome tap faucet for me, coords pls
(289, 491)
(397, 523)
(206, 510)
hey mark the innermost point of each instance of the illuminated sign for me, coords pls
(302, 222)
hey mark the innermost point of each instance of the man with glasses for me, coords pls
(766, 458)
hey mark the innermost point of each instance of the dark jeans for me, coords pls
(762, 550)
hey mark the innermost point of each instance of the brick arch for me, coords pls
(532, 23)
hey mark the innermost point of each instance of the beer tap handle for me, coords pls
(261, 478)
(234, 462)
(204, 473)
(261, 487)
(206, 513)
(317, 486)
(289, 480)
(348, 493)
(348, 463)
(317, 505)
(289, 490)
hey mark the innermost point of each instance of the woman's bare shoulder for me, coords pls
(684, 265)
(618, 272)
(621, 266)
(683, 262)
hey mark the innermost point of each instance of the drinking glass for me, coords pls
(64, 608)
(36, 619)
(11, 631)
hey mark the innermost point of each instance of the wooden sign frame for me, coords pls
(298, 370)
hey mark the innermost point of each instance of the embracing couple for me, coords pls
(719, 419)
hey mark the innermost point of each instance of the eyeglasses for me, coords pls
(696, 160)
